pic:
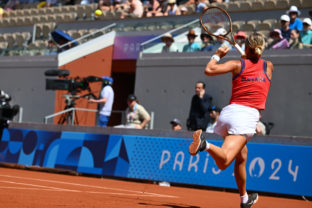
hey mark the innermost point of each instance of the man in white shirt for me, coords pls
(106, 101)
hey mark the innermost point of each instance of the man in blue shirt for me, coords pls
(191, 46)
(295, 22)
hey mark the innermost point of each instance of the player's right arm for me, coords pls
(213, 68)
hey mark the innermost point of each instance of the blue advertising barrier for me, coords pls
(274, 168)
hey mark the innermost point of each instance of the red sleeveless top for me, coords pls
(251, 86)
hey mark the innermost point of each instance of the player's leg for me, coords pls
(240, 170)
(224, 155)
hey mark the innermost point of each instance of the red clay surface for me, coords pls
(24, 188)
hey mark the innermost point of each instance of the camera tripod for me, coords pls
(67, 117)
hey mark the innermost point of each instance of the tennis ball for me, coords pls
(98, 12)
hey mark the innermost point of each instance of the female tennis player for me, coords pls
(237, 121)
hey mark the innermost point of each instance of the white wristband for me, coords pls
(215, 57)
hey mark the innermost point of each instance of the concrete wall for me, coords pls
(166, 83)
(23, 78)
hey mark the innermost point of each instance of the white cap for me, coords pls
(307, 21)
(285, 17)
(293, 9)
(220, 31)
(184, 9)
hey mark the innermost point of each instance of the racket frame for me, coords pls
(239, 49)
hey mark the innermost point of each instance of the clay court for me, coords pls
(26, 188)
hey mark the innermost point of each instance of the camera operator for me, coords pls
(106, 101)
(6, 111)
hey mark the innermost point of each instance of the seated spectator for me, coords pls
(136, 115)
(285, 26)
(134, 8)
(12, 5)
(172, 9)
(176, 125)
(220, 42)
(294, 41)
(184, 10)
(214, 113)
(240, 38)
(191, 46)
(154, 9)
(306, 33)
(277, 40)
(104, 5)
(169, 46)
(207, 42)
(295, 22)
(200, 5)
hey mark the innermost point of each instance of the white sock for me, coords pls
(244, 198)
(207, 145)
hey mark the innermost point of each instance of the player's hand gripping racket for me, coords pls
(212, 19)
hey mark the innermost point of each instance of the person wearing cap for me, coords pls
(169, 45)
(277, 40)
(206, 42)
(306, 33)
(191, 46)
(172, 9)
(200, 6)
(251, 80)
(285, 26)
(136, 115)
(240, 39)
(214, 112)
(105, 101)
(184, 10)
(220, 42)
(176, 125)
(295, 22)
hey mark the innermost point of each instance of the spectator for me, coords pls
(295, 22)
(240, 39)
(12, 5)
(294, 42)
(1, 13)
(277, 40)
(214, 113)
(176, 125)
(219, 42)
(191, 46)
(134, 9)
(285, 26)
(172, 8)
(169, 46)
(52, 48)
(199, 111)
(200, 5)
(207, 42)
(106, 101)
(306, 33)
(136, 115)
(104, 5)
(184, 10)
(154, 9)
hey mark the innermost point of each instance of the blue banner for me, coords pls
(271, 168)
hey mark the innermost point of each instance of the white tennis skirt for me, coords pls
(237, 120)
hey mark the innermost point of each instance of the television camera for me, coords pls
(73, 86)
(7, 112)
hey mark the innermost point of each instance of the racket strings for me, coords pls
(214, 19)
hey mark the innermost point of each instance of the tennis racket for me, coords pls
(213, 19)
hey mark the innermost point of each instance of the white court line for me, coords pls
(92, 186)
(27, 188)
(40, 186)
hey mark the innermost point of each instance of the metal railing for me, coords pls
(73, 110)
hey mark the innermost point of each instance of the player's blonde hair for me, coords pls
(256, 43)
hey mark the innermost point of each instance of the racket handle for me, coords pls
(239, 49)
